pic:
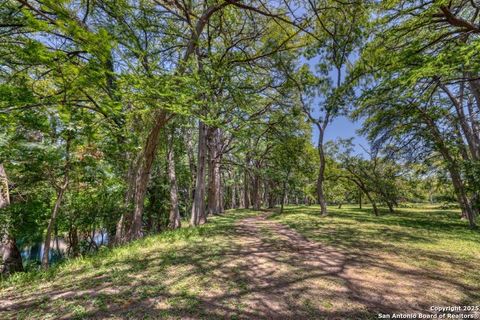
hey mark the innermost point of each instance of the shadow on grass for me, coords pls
(231, 269)
(447, 222)
(426, 238)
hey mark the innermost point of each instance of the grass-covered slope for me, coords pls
(255, 265)
(119, 283)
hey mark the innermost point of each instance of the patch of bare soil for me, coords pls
(258, 270)
(286, 276)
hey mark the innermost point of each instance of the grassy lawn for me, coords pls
(433, 240)
(245, 265)
(419, 231)
(119, 283)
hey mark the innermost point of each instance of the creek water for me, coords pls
(58, 248)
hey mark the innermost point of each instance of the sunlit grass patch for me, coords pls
(173, 264)
(425, 237)
(229, 267)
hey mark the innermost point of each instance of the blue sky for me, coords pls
(342, 127)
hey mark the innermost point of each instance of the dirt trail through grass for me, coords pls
(279, 268)
(247, 268)
(288, 276)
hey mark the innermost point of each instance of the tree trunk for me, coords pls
(364, 189)
(193, 169)
(265, 193)
(256, 192)
(174, 218)
(221, 198)
(11, 258)
(51, 223)
(234, 197)
(246, 191)
(53, 218)
(74, 249)
(452, 168)
(142, 176)
(462, 197)
(56, 238)
(112, 89)
(198, 209)
(458, 185)
(271, 200)
(474, 83)
(473, 118)
(390, 207)
(374, 205)
(284, 194)
(214, 177)
(467, 127)
(241, 198)
(321, 175)
(120, 230)
(360, 199)
(271, 196)
(149, 218)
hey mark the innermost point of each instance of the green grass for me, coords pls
(133, 273)
(426, 237)
(211, 272)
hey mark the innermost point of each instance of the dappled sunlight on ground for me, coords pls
(253, 266)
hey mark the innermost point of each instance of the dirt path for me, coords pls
(289, 277)
(257, 269)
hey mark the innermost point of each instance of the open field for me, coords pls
(262, 265)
